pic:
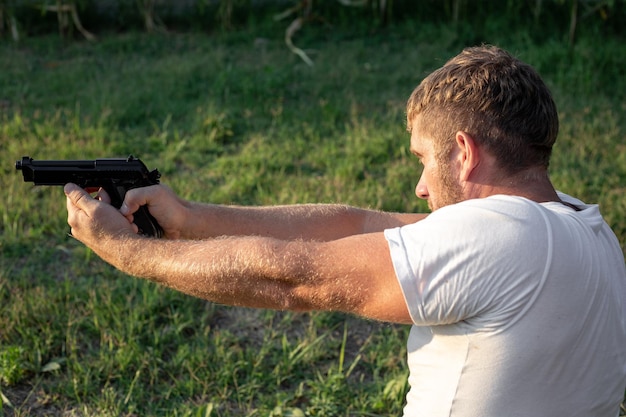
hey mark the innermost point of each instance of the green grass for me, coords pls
(235, 118)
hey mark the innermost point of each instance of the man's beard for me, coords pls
(451, 191)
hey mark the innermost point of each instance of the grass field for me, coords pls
(236, 118)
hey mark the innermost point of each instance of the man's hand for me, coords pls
(166, 207)
(94, 220)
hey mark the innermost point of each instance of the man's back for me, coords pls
(523, 316)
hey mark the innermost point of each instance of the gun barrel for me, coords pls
(82, 172)
(51, 172)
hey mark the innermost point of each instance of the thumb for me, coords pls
(77, 196)
(134, 199)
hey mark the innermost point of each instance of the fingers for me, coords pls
(99, 193)
(77, 206)
(89, 218)
(134, 199)
(168, 210)
(103, 196)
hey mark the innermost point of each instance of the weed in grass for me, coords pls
(12, 364)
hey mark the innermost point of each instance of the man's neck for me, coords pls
(533, 184)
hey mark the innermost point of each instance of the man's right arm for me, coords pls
(312, 222)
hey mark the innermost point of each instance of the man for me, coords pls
(515, 291)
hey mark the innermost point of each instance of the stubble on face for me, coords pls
(450, 190)
(444, 186)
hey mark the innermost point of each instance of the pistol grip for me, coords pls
(147, 224)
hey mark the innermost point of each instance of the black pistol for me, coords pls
(115, 175)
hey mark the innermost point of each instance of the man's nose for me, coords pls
(421, 190)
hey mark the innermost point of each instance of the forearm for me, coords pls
(353, 275)
(310, 222)
(320, 222)
(246, 271)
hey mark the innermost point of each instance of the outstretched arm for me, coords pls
(352, 274)
(321, 222)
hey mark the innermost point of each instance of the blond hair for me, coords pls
(499, 100)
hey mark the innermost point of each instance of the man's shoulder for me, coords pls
(494, 224)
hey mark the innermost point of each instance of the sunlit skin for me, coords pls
(439, 182)
(471, 172)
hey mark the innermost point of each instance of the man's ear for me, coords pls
(468, 155)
